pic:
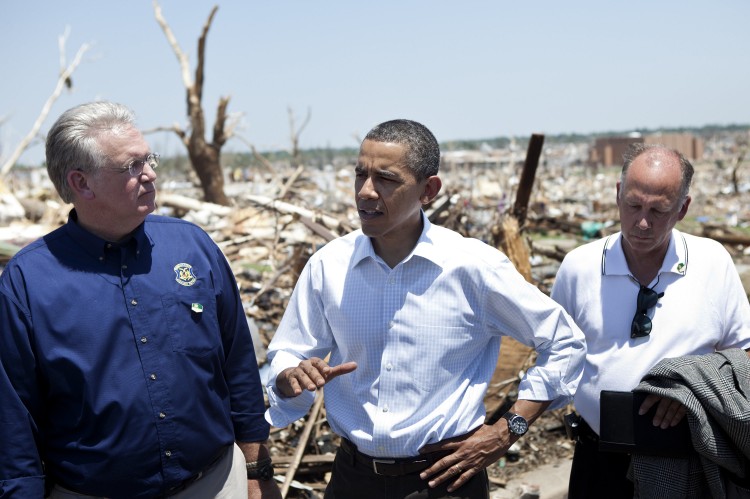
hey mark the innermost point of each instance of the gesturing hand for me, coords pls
(309, 375)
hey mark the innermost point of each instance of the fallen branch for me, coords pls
(62, 81)
(288, 208)
(302, 444)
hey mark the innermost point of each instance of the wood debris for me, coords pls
(271, 229)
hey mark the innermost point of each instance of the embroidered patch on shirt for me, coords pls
(185, 274)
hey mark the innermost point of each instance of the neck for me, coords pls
(644, 268)
(394, 250)
(112, 233)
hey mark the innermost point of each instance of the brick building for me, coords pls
(609, 151)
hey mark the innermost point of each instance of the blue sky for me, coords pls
(467, 70)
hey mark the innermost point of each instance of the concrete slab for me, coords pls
(549, 481)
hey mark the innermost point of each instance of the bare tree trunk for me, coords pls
(62, 81)
(735, 171)
(205, 156)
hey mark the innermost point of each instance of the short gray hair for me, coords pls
(73, 141)
(635, 150)
(422, 149)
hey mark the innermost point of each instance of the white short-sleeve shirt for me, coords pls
(704, 309)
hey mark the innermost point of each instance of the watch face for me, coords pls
(264, 472)
(517, 424)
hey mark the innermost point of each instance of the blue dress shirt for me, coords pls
(425, 335)
(124, 368)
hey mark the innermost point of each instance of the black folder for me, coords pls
(623, 430)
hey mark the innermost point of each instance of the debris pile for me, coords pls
(272, 229)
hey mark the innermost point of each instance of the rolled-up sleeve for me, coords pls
(520, 310)
(295, 341)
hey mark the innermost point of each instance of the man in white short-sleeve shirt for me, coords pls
(644, 294)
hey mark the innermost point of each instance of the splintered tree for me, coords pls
(204, 156)
(63, 81)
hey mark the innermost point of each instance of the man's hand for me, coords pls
(669, 412)
(263, 489)
(309, 375)
(258, 489)
(469, 454)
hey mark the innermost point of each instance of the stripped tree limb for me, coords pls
(329, 222)
(62, 81)
(204, 156)
(294, 133)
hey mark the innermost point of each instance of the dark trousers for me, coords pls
(351, 478)
(595, 474)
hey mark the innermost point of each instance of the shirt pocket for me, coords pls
(192, 321)
(439, 356)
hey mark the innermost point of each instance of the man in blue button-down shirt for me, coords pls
(127, 369)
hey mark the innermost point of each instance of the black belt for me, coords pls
(172, 490)
(585, 434)
(191, 480)
(391, 466)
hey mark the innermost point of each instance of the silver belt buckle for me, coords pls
(375, 463)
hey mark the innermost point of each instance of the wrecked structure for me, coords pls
(277, 221)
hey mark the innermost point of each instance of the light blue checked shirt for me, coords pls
(425, 335)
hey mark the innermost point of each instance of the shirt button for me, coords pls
(388, 366)
(143, 339)
(134, 302)
(168, 453)
(153, 376)
(385, 409)
(124, 267)
(101, 258)
(162, 415)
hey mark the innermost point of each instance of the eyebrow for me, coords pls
(381, 172)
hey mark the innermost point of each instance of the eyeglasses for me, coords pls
(136, 166)
(641, 325)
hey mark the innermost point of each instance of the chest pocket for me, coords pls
(192, 321)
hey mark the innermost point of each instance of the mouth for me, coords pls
(640, 237)
(367, 215)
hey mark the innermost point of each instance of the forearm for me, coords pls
(257, 456)
(254, 451)
(530, 409)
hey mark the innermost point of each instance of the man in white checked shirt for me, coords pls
(412, 315)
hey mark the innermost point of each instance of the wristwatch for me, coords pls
(517, 425)
(260, 470)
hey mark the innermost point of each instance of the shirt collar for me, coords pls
(675, 261)
(424, 248)
(95, 245)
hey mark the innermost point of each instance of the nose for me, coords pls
(367, 190)
(149, 171)
(643, 222)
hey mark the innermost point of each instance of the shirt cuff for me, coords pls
(283, 411)
(543, 384)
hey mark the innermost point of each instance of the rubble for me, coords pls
(272, 229)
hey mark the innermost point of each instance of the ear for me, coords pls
(78, 181)
(431, 189)
(684, 209)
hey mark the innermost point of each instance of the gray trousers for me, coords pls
(227, 479)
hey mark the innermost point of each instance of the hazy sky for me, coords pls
(466, 69)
